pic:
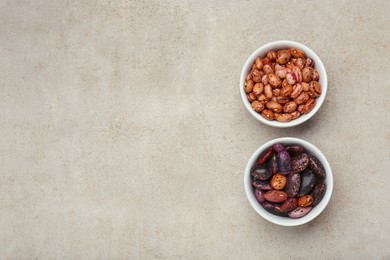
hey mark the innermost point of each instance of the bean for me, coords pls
(299, 212)
(275, 196)
(258, 88)
(274, 106)
(285, 117)
(293, 184)
(268, 114)
(297, 53)
(296, 90)
(283, 57)
(307, 74)
(257, 106)
(268, 91)
(259, 63)
(271, 55)
(309, 105)
(290, 107)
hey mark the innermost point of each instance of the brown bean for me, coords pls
(316, 75)
(290, 107)
(312, 94)
(315, 86)
(267, 69)
(258, 89)
(295, 115)
(268, 114)
(256, 75)
(309, 105)
(290, 65)
(274, 106)
(307, 74)
(300, 108)
(305, 86)
(257, 106)
(286, 90)
(285, 117)
(266, 61)
(268, 91)
(259, 63)
(261, 97)
(248, 77)
(296, 91)
(276, 92)
(251, 97)
(283, 57)
(300, 63)
(282, 99)
(271, 55)
(297, 53)
(274, 80)
(309, 62)
(302, 98)
(249, 86)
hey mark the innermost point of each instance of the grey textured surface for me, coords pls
(123, 135)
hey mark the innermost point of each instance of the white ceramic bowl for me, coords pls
(286, 221)
(277, 45)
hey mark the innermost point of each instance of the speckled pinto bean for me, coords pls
(288, 181)
(283, 76)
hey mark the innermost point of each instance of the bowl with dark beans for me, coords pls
(288, 181)
(283, 83)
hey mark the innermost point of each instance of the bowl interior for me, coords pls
(277, 45)
(285, 221)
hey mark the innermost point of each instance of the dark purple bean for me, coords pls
(299, 212)
(316, 166)
(273, 208)
(294, 149)
(272, 165)
(289, 205)
(262, 185)
(293, 184)
(299, 162)
(308, 180)
(264, 156)
(283, 161)
(259, 194)
(261, 173)
(318, 193)
(278, 148)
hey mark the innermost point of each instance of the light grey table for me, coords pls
(123, 135)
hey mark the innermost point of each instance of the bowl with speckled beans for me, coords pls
(267, 70)
(274, 215)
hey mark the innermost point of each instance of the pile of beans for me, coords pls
(288, 181)
(283, 85)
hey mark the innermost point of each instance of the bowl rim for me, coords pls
(276, 45)
(284, 221)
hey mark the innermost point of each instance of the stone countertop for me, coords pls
(123, 134)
